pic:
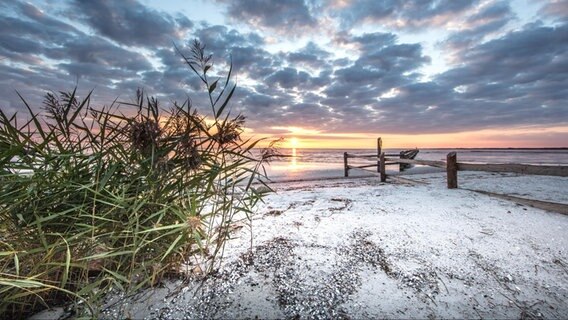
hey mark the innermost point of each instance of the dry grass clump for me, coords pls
(93, 199)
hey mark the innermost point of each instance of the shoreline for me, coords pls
(358, 248)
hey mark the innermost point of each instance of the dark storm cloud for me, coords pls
(283, 15)
(129, 22)
(401, 13)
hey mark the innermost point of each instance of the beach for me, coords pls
(297, 159)
(358, 248)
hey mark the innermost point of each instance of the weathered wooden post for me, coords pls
(345, 166)
(452, 170)
(379, 150)
(382, 167)
(401, 166)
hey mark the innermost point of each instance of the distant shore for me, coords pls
(445, 148)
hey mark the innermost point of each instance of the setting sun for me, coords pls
(294, 142)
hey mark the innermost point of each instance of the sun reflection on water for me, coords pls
(294, 160)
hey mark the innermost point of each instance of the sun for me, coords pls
(294, 142)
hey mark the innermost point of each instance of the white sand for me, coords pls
(362, 249)
(545, 188)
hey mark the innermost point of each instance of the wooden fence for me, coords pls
(379, 164)
(451, 165)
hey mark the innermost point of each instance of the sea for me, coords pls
(311, 164)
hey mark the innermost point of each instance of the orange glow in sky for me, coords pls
(521, 137)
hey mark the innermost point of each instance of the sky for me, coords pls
(327, 74)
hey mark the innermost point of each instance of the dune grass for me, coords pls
(94, 199)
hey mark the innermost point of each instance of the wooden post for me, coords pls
(401, 165)
(345, 166)
(452, 170)
(379, 150)
(382, 167)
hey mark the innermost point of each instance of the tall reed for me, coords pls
(96, 198)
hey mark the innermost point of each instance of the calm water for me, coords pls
(328, 163)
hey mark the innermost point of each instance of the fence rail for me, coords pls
(561, 171)
(431, 163)
(371, 156)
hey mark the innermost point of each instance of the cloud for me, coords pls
(286, 16)
(245, 49)
(311, 56)
(338, 95)
(99, 53)
(131, 23)
(556, 9)
(518, 79)
(488, 20)
(399, 14)
(56, 55)
(382, 64)
(288, 78)
(28, 32)
(348, 81)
